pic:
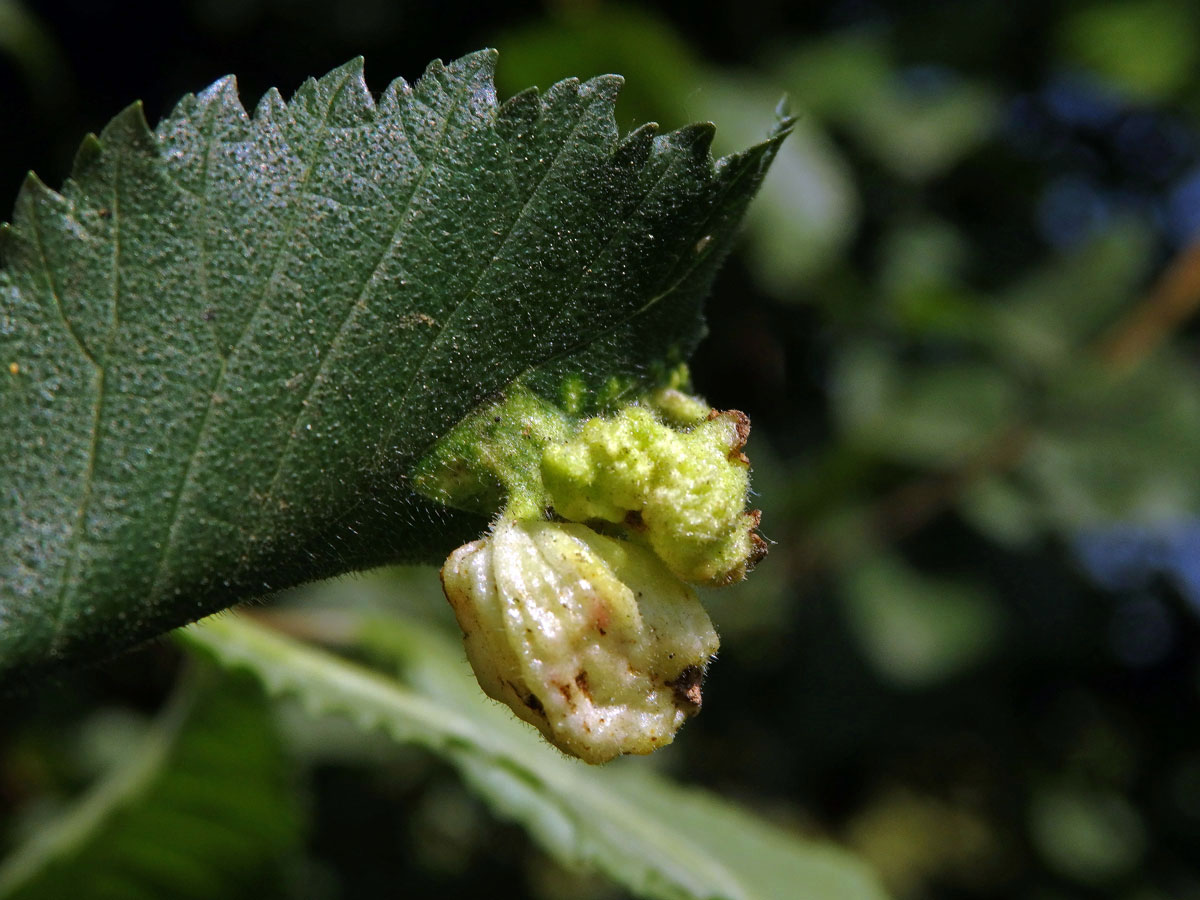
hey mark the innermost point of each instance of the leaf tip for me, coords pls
(609, 82)
(31, 181)
(129, 126)
(481, 62)
(696, 137)
(486, 57)
(526, 101)
(222, 87)
(271, 104)
(784, 120)
(87, 154)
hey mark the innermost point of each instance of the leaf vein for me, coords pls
(63, 601)
(617, 232)
(206, 214)
(405, 222)
(657, 298)
(52, 284)
(623, 321)
(247, 329)
(469, 296)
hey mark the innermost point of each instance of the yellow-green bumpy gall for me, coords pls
(683, 492)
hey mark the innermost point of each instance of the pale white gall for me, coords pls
(591, 639)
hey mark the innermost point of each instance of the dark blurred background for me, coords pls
(960, 319)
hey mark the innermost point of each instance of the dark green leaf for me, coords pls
(226, 343)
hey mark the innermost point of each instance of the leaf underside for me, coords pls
(227, 342)
(657, 839)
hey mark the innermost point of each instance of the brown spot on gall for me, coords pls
(687, 686)
(741, 425)
(741, 432)
(758, 550)
(581, 682)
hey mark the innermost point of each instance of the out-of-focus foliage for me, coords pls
(962, 323)
(659, 840)
(198, 804)
(31, 49)
(1145, 47)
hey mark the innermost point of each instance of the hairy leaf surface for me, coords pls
(226, 343)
